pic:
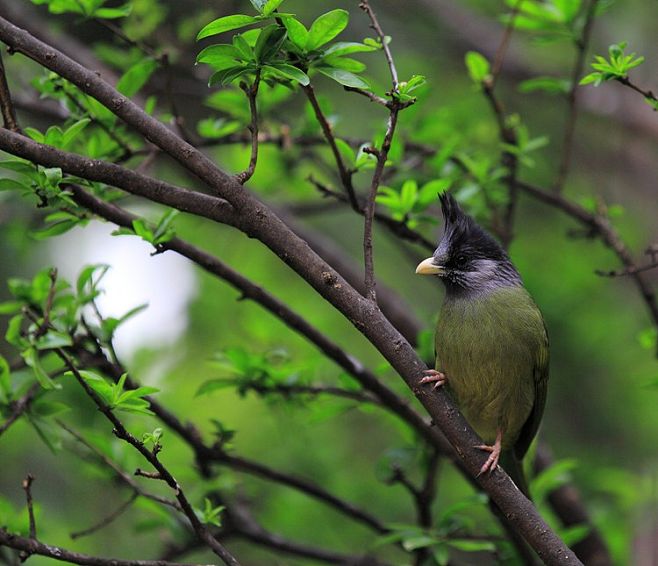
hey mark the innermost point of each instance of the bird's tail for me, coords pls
(514, 468)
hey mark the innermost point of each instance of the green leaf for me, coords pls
(347, 153)
(574, 534)
(55, 229)
(13, 334)
(297, 32)
(344, 77)
(45, 409)
(53, 339)
(289, 72)
(136, 77)
(326, 27)
(550, 85)
(227, 76)
(416, 542)
(5, 381)
(470, 545)
(478, 66)
(345, 63)
(270, 6)
(113, 13)
(269, 42)
(72, 131)
(227, 23)
(219, 56)
(85, 282)
(213, 385)
(12, 185)
(217, 128)
(551, 478)
(408, 194)
(31, 358)
(347, 48)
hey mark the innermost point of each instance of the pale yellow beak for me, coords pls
(428, 267)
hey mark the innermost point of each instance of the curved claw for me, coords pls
(434, 376)
(492, 461)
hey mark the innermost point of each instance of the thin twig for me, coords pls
(20, 406)
(508, 159)
(108, 519)
(601, 227)
(499, 58)
(252, 94)
(369, 95)
(382, 156)
(648, 94)
(343, 172)
(121, 474)
(6, 104)
(582, 44)
(365, 6)
(628, 271)
(121, 432)
(397, 227)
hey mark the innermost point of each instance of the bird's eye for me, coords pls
(461, 260)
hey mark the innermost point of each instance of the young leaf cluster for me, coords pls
(615, 67)
(284, 51)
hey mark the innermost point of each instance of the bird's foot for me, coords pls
(435, 377)
(494, 454)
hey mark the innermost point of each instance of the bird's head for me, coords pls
(468, 259)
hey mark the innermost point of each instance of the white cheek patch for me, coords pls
(481, 272)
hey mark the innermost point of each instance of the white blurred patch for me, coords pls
(165, 281)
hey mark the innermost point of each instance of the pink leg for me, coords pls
(492, 460)
(434, 376)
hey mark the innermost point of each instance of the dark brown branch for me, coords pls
(32, 546)
(252, 93)
(6, 105)
(343, 172)
(247, 528)
(256, 220)
(582, 44)
(117, 176)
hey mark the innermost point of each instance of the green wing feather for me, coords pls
(540, 374)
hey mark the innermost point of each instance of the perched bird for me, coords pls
(491, 342)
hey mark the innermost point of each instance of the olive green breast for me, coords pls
(494, 351)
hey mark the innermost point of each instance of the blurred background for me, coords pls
(601, 416)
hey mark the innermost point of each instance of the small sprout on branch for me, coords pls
(114, 395)
(211, 515)
(616, 67)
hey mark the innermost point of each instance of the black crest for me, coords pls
(465, 234)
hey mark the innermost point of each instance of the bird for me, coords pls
(491, 343)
